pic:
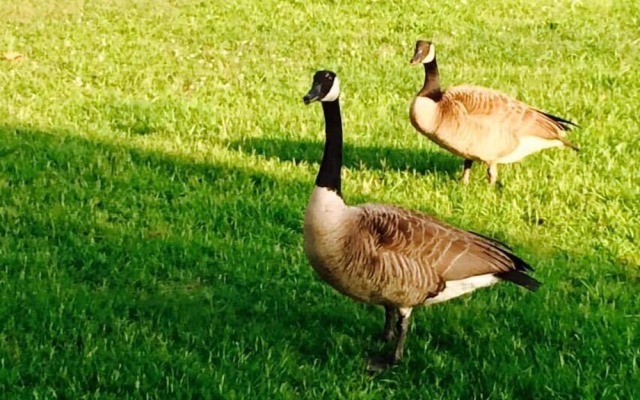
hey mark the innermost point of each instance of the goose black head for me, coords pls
(425, 53)
(325, 87)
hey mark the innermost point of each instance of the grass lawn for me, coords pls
(156, 159)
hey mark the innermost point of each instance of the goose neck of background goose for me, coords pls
(431, 87)
(329, 174)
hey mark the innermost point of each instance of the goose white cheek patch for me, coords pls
(431, 55)
(334, 92)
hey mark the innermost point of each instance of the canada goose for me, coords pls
(480, 124)
(385, 255)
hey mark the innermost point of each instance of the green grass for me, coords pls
(156, 159)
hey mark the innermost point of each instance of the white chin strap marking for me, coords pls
(334, 93)
(431, 55)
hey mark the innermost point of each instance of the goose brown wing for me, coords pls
(438, 250)
(487, 107)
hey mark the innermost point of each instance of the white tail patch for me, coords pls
(334, 93)
(528, 145)
(463, 286)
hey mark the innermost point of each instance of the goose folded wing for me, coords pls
(487, 106)
(483, 110)
(447, 251)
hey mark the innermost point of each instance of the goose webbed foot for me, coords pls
(380, 363)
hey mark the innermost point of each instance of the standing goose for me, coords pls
(385, 255)
(480, 124)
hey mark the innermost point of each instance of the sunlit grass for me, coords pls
(156, 159)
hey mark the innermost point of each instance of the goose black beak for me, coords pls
(417, 58)
(313, 95)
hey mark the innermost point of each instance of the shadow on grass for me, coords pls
(355, 156)
(178, 273)
(155, 258)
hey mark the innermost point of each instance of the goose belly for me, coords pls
(528, 145)
(351, 273)
(329, 269)
(364, 281)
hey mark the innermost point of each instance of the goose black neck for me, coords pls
(431, 87)
(329, 174)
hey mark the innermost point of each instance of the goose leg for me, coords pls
(378, 364)
(403, 327)
(389, 322)
(466, 170)
(492, 173)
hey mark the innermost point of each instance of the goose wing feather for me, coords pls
(422, 253)
(484, 109)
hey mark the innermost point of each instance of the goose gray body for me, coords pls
(481, 124)
(387, 255)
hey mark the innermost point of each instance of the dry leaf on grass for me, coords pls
(12, 56)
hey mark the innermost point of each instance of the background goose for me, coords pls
(390, 256)
(480, 124)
